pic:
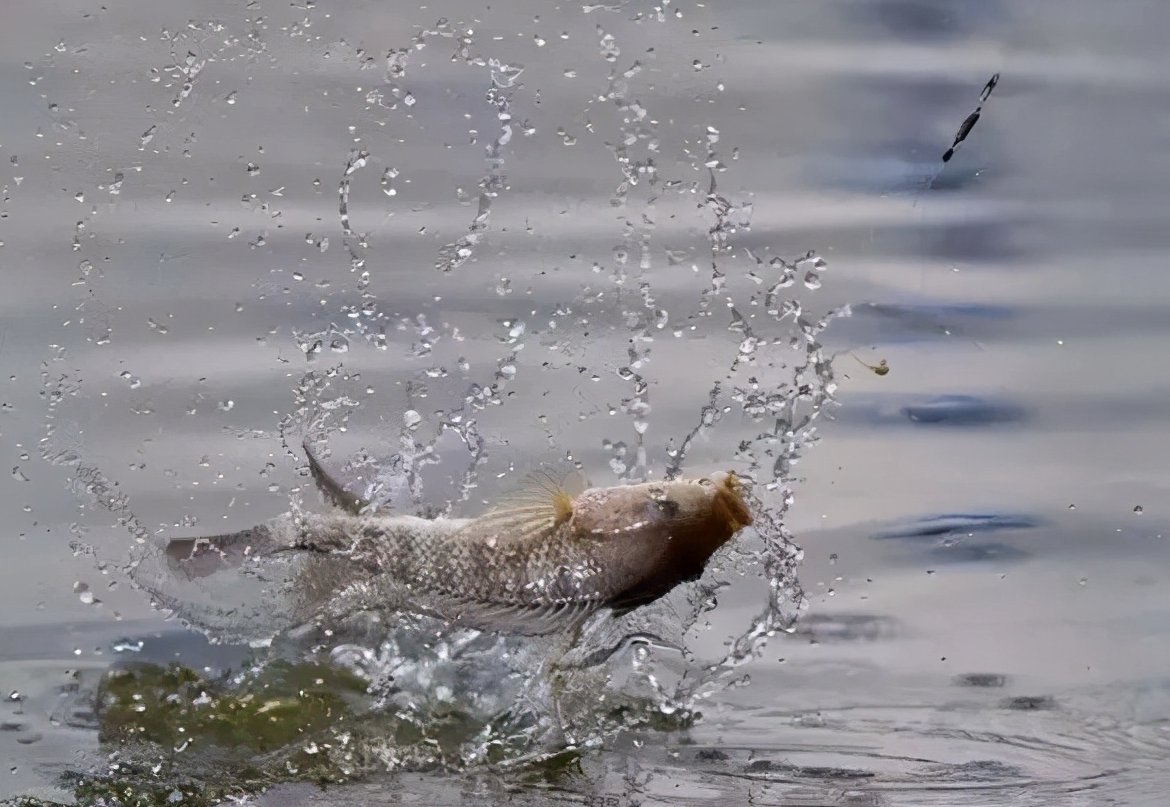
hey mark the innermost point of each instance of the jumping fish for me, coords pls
(539, 562)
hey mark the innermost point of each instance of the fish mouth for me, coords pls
(729, 495)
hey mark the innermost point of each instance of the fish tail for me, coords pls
(203, 556)
(209, 582)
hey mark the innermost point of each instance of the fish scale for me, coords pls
(490, 577)
(450, 558)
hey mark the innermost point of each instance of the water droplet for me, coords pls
(516, 332)
(608, 46)
(411, 419)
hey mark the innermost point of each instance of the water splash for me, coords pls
(518, 700)
(499, 98)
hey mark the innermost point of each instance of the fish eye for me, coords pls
(668, 507)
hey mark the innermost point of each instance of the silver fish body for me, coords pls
(521, 568)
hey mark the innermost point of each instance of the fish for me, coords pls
(541, 561)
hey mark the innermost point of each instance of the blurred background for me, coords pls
(226, 224)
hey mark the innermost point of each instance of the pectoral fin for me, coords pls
(516, 619)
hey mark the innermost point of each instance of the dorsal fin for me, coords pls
(545, 489)
(542, 503)
(333, 491)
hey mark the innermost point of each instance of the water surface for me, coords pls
(229, 224)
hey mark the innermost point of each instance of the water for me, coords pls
(230, 227)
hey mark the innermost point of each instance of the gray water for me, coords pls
(983, 528)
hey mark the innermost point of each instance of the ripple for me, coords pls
(977, 552)
(1030, 703)
(963, 410)
(959, 411)
(980, 680)
(958, 524)
(908, 322)
(907, 754)
(839, 628)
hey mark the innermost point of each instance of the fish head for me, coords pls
(716, 501)
(679, 523)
